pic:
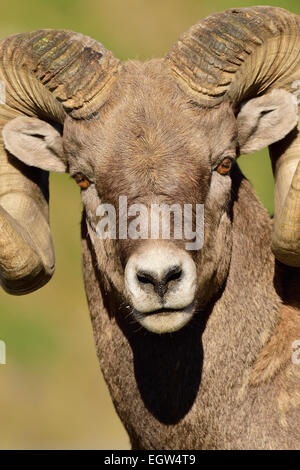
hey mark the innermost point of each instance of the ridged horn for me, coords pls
(46, 74)
(237, 55)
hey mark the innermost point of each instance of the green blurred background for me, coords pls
(52, 394)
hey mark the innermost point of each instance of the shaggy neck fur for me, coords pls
(210, 385)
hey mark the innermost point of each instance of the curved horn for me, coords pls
(47, 74)
(237, 55)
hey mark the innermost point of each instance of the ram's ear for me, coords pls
(35, 143)
(265, 120)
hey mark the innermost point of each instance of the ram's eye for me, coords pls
(82, 180)
(225, 166)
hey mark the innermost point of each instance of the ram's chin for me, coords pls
(165, 320)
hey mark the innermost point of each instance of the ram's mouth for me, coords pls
(165, 320)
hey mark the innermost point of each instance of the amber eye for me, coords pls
(81, 180)
(225, 166)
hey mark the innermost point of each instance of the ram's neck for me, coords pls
(249, 381)
(246, 313)
(192, 389)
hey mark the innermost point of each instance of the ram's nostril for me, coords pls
(173, 274)
(145, 278)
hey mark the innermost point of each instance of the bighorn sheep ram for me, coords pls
(169, 131)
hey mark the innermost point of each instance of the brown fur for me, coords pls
(218, 382)
(224, 380)
(188, 390)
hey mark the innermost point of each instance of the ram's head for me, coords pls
(163, 133)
